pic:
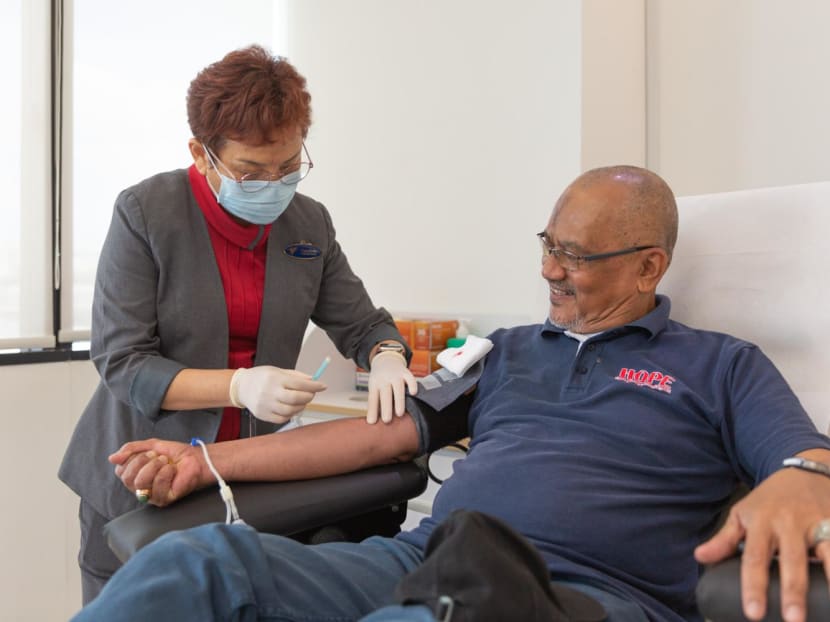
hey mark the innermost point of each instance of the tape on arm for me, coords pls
(441, 407)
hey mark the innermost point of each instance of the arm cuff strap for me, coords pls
(440, 408)
(439, 428)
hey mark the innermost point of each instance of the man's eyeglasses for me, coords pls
(571, 261)
(289, 175)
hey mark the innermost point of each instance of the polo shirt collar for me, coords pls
(653, 322)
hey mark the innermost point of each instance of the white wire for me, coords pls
(231, 513)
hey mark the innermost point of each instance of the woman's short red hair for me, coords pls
(248, 96)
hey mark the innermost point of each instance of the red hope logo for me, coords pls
(651, 379)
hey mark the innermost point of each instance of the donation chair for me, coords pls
(337, 508)
(755, 264)
(348, 507)
(750, 263)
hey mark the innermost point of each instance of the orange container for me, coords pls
(424, 362)
(406, 329)
(432, 334)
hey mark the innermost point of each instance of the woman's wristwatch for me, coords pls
(391, 346)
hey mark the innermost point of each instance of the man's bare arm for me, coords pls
(172, 470)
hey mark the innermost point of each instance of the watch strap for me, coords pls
(807, 465)
(391, 347)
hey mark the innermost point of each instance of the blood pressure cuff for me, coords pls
(441, 406)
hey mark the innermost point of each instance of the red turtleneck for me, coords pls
(240, 255)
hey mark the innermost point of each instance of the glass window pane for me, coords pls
(10, 31)
(25, 219)
(132, 63)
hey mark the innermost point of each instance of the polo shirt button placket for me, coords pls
(579, 373)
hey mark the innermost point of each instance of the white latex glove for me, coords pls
(272, 394)
(388, 379)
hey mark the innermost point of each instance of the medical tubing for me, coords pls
(231, 513)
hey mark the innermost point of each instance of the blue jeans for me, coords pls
(220, 572)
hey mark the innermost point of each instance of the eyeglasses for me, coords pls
(570, 261)
(289, 174)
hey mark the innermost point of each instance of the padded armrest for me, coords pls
(273, 507)
(719, 593)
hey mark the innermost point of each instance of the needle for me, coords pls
(322, 368)
(316, 376)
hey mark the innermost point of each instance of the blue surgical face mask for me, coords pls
(255, 201)
(261, 207)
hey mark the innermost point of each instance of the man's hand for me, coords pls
(388, 380)
(779, 516)
(170, 470)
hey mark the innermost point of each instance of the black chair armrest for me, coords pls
(284, 508)
(719, 593)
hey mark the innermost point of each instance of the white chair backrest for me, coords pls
(755, 264)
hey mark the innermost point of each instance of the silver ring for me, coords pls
(142, 495)
(821, 532)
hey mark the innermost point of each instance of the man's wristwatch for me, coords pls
(807, 465)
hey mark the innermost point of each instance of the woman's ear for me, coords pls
(197, 151)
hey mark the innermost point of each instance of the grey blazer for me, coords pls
(159, 307)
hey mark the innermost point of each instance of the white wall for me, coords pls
(443, 132)
(613, 83)
(39, 577)
(737, 93)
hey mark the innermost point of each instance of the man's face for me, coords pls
(601, 294)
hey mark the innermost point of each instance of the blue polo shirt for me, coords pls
(615, 458)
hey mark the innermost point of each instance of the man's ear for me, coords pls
(654, 264)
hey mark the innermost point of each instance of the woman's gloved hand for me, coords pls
(272, 394)
(388, 379)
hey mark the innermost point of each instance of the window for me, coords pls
(25, 176)
(119, 106)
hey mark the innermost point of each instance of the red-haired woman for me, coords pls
(206, 282)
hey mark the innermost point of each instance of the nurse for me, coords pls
(206, 283)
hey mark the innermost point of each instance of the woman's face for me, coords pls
(238, 158)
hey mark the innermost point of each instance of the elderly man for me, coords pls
(610, 436)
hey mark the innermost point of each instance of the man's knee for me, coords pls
(212, 541)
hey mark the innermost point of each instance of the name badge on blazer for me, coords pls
(303, 250)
